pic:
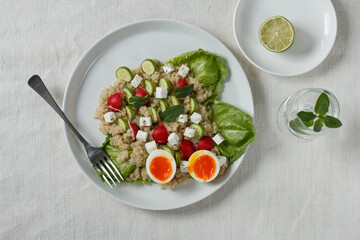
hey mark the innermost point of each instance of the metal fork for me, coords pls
(98, 157)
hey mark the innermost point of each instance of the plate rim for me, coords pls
(282, 74)
(68, 133)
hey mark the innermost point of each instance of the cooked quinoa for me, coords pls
(135, 151)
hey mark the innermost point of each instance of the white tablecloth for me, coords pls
(283, 189)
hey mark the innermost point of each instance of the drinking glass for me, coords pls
(304, 100)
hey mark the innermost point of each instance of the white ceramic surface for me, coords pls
(129, 45)
(315, 27)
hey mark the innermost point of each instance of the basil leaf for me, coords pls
(323, 98)
(318, 125)
(171, 113)
(137, 101)
(332, 122)
(183, 91)
(306, 116)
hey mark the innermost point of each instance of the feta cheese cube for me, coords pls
(196, 118)
(141, 136)
(161, 92)
(189, 132)
(109, 117)
(182, 118)
(183, 70)
(136, 81)
(150, 146)
(145, 121)
(173, 138)
(222, 160)
(168, 68)
(184, 166)
(218, 139)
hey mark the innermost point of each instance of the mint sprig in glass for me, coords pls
(318, 118)
(309, 113)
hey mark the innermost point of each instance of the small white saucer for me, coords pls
(315, 27)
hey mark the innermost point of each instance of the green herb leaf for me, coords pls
(171, 113)
(183, 91)
(318, 125)
(306, 116)
(309, 124)
(332, 122)
(323, 98)
(137, 101)
(323, 109)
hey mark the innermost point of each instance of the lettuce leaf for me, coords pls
(207, 68)
(125, 168)
(235, 126)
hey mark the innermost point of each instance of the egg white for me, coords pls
(160, 153)
(195, 156)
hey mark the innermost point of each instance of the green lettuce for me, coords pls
(206, 67)
(125, 167)
(235, 126)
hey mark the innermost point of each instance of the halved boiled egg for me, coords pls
(161, 166)
(203, 166)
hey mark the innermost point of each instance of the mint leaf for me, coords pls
(182, 92)
(318, 125)
(306, 116)
(309, 124)
(171, 113)
(323, 109)
(332, 122)
(137, 101)
(323, 98)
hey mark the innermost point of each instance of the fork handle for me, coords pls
(37, 84)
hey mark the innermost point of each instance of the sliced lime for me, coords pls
(277, 34)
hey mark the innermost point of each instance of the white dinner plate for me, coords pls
(129, 46)
(315, 32)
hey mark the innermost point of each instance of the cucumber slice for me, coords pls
(123, 123)
(193, 105)
(153, 112)
(150, 87)
(128, 93)
(199, 130)
(169, 149)
(163, 105)
(177, 158)
(124, 73)
(174, 100)
(165, 83)
(148, 66)
(130, 112)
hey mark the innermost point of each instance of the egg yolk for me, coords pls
(161, 168)
(204, 167)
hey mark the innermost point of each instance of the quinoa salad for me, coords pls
(164, 124)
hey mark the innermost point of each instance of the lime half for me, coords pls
(277, 34)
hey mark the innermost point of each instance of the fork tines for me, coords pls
(107, 168)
